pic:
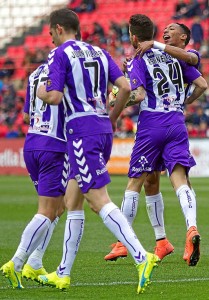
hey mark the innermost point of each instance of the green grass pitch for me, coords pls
(94, 278)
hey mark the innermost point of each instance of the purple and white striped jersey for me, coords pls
(82, 72)
(47, 127)
(163, 78)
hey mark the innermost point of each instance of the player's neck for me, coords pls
(68, 37)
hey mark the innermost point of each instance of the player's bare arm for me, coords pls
(189, 57)
(51, 97)
(26, 118)
(136, 96)
(176, 52)
(200, 86)
(121, 99)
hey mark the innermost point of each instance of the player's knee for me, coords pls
(135, 184)
(60, 211)
(151, 187)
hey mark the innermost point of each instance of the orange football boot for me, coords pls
(118, 250)
(192, 247)
(163, 248)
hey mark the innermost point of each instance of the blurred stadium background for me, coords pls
(25, 43)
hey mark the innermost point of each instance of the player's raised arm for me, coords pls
(176, 37)
(187, 56)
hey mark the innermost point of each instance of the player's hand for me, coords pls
(112, 99)
(124, 68)
(143, 47)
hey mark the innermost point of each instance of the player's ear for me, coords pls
(183, 37)
(59, 28)
(135, 39)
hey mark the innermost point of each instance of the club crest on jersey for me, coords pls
(49, 82)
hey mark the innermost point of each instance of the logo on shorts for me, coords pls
(143, 168)
(102, 171)
(143, 161)
(81, 162)
(101, 159)
(78, 178)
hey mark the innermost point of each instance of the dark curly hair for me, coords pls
(142, 27)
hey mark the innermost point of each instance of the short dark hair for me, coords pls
(187, 31)
(142, 27)
(65, 18)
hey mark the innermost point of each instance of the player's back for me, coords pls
(85, 71)
(163, 81)
(163, 77)
(47, 124)
(88, 72)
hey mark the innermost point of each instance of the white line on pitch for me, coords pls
(121, 283)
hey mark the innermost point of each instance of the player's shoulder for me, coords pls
(194, 51)
(100, 50)
(42, 69)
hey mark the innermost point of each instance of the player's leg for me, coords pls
(52, 183)
(31, 238)
(34, 265)
(129, 208)
(95, 153)
(38, 228)
(75, 219)
(117, 223)
(155, 210)
(187, 201)
(177, 159)
(74, 228)
(143, 158)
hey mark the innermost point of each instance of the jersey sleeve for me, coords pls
(27, 100)
(198, 55)
(57, 61)
(114, 71)
(136, 73)
(190, 73)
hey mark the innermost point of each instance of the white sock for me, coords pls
(32, 236)
(117, 223)
(35, 259)
(129, 205)
(73, 233)
(188, 205)
(155, 210)
(193, 191)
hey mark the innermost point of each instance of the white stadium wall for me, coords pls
(12, 162)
